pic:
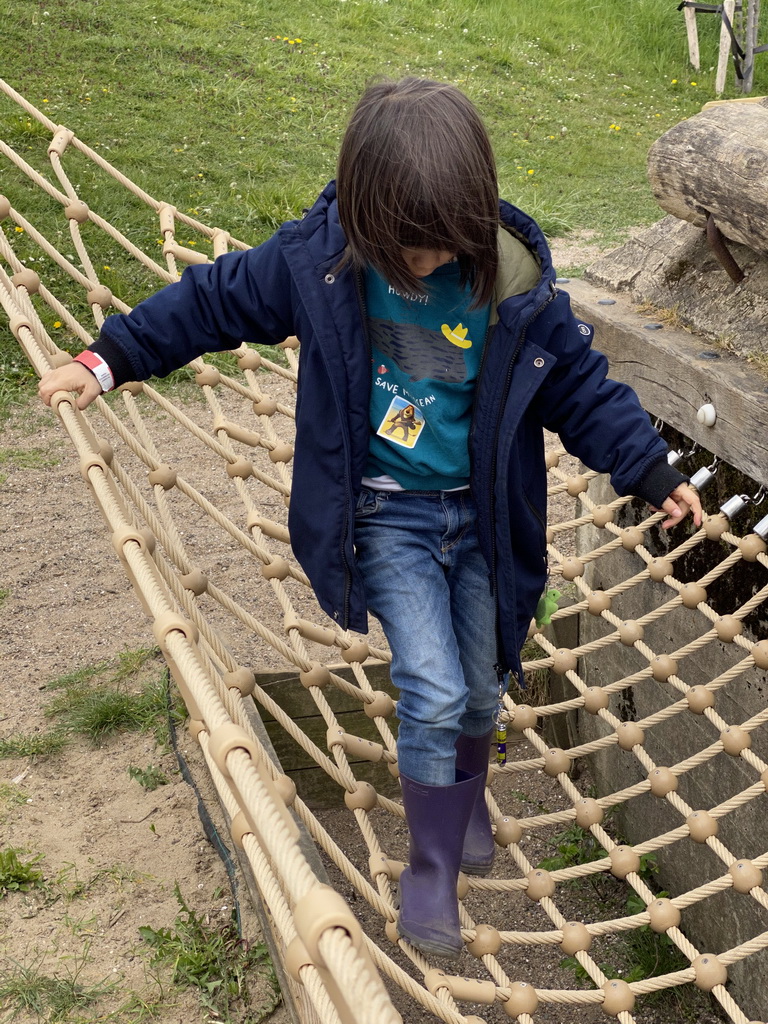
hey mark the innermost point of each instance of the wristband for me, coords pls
(98, 367)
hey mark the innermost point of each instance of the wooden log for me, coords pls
(717, 163)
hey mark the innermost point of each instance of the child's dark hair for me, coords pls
(416, 171)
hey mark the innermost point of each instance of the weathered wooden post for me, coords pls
(738, 37)
(750, 44)
(692, 32)
(729, 6)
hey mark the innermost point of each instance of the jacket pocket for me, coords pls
(537, 514)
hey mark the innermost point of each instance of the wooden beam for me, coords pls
(675, 373)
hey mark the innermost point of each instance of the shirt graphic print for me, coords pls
(426, 352)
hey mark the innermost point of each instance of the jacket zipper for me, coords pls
(491, 506)
(344, 562)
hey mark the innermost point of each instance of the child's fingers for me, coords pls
(681, 501)
(72, 377)
(88, 394)
(676, 512)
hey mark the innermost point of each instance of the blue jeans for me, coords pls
(428, 584)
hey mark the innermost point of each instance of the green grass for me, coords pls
(637, 954)
(128, 693)
(22, 458)
(27, 991)
(35, 745)
(233, 112)
(98, 701)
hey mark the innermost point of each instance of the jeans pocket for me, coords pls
(368, 503)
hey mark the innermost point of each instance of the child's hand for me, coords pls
(680, 502)
(71, 377)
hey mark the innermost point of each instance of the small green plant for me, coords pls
(99, 700)
(70, 886)
(148, 778)
(216, 962)
(102, 713)
(575, 845)
(17, 875)
(645, 953)
(25, 990)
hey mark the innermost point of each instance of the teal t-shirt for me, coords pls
(426, 353)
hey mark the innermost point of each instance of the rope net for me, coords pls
(194, 492)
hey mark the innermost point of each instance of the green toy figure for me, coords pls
(546, 607)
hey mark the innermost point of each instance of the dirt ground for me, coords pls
(111, 851)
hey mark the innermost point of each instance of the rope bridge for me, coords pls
(194, 493)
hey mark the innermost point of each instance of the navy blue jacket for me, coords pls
(538, 371)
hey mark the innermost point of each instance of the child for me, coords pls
(415, 289)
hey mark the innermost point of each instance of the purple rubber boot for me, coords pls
(472, 754)
(437, 819)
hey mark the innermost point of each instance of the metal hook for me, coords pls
(692, 451)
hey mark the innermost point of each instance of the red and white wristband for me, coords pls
(98, 368)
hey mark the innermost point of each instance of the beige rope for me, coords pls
(240, 427)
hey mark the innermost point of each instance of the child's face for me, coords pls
(421, 262)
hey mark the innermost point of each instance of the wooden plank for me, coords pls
(319, 792)
(293, 756)
(674, 374)
(286, 690)
(737, 99)
(313, 785)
